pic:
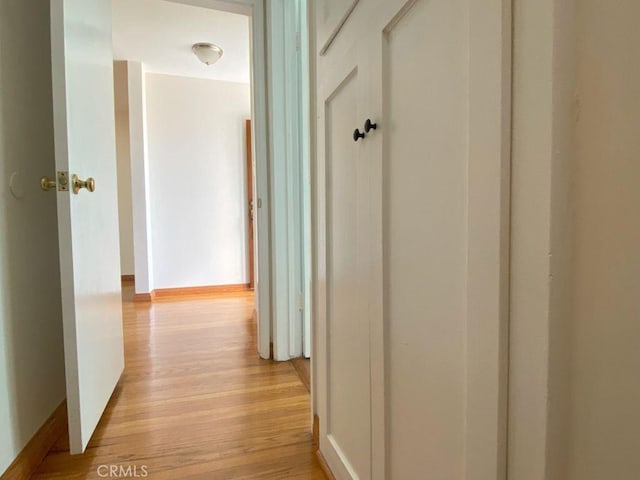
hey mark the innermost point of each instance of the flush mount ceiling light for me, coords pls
(207, 53)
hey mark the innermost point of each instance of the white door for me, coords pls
(420, 102)
(343, 354)
(82, 64)
(411, 239)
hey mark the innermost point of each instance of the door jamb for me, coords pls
(248, 131)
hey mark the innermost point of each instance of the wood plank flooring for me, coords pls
(196, 402)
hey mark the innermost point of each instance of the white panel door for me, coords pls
(423, 93)
(82, 64)
(342, 358)
(416, 239)
(331, 16)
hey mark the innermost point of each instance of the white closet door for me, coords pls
(439, 159)
(342, 359)
(330, 17)
(427, 246)
(421, 64)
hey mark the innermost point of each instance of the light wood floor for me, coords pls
(196, 402)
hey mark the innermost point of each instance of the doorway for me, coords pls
(196, 165)
(61, 30)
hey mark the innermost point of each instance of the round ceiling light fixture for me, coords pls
(207, 53)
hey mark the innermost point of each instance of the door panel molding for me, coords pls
(342, 360)
(490, 67)
(424, 161)
(338, 27)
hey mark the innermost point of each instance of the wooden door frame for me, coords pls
(250, 202)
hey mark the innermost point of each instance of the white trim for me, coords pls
(260, 132)
(543, 101)
(489, 174)
(231, 6)
(277, 94)
(255, 9)
(314, 198)
(336, 459)
(306, 122)
(343, 71)
(336, 30)
(287, 213)
(294, 178)
(139, 164)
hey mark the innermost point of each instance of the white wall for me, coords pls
(542, 83)
(605, 296)
(197, 180)
(125, 212)
(31, 346)
(575, 269)
(140, 198)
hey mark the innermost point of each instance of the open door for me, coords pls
(82, 65)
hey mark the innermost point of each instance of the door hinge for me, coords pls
(298, 42)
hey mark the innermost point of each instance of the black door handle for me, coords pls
(368, 125)
(357, 135)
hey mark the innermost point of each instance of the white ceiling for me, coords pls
(160, 34)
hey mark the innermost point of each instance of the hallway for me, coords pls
(196, 402)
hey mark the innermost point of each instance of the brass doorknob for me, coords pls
(77, 184)
(47, 183)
